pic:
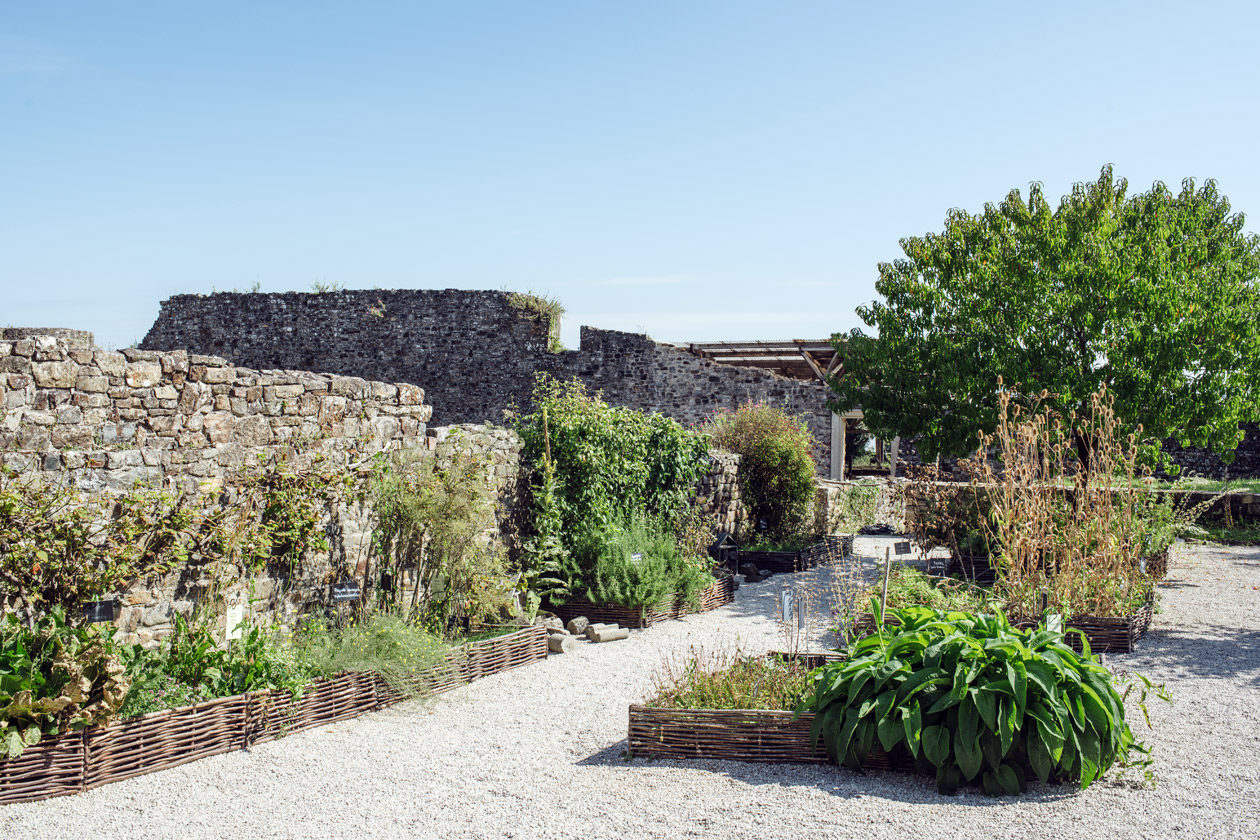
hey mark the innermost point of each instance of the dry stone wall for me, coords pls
(98, 420)
(475, 352)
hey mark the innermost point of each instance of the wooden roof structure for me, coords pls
(796, 359)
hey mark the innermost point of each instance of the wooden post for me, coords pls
(883, 600)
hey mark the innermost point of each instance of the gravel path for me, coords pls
(538, 752)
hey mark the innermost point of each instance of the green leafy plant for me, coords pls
(55, 678)
(776, 471)
(1152, 294)
(599, 466)
(428, 541)
(191, 665)
(968, 698)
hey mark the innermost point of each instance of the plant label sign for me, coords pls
(637, 557)
(235, 618)
(99, 611)
(902, 547)
(347, 590)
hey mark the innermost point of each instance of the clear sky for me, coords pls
(696, 170)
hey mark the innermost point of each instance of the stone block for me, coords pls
(252, 431)
(218, 427)
(577, 626)
(143, 374)
(608, 634)
(55, 374)
(561, 643)
(92, 384)
(219, 375)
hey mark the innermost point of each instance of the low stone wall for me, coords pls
(845, 507)
(100, 419)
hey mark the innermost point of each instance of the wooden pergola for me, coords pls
(798, 358)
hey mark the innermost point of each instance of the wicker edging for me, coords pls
(737, 735)
(781, 562)
(718, 594)
(78, 761)
(1105, 635)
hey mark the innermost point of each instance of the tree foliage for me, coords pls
(1153, 296)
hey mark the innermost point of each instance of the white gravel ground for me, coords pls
(539, 752)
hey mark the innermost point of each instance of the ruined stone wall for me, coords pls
(476, 353)
(635, 371)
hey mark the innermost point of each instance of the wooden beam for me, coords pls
(814, 366)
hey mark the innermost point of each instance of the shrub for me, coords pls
(1074, 530)
(54, 678)
(60, 547)
(599, 466)
(776, 471)
(969, 698)
(638, 564)
(432, 559)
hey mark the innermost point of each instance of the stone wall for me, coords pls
(475, 352)
(97, 420)
(845, 507)
(718, 495)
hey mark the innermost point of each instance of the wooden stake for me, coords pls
(883, 601)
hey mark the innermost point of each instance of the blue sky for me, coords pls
(697, 170)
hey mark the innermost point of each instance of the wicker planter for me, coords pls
(720, 593)
(80, 761)
(738, 735)
(828, 549)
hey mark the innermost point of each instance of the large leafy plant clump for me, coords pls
(969, 698)
(55, 678)
(599, 467)
(776, 471)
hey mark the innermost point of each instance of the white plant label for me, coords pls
(235, 617)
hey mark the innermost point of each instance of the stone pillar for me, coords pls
(838, 444)
(892, 457)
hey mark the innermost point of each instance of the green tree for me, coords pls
(1152, 295)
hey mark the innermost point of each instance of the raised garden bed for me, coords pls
(78, 761)
(1106, 635)
(719, 593)
(737, 735)
(827, 549)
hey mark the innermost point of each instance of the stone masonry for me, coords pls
(475, 352)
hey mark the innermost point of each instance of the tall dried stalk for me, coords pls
(1067, 509)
